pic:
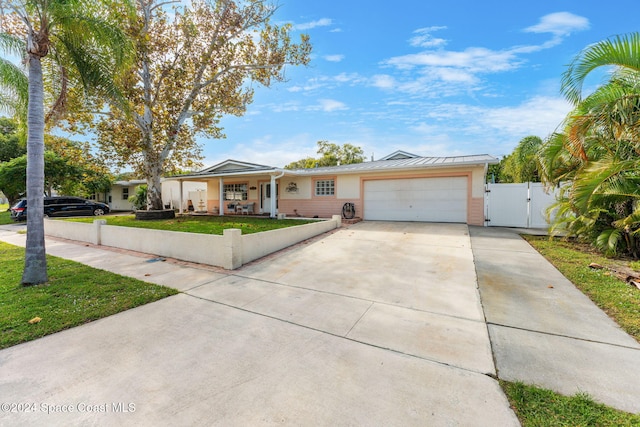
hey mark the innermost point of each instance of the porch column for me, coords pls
(221, 196)
(274, 195)
(180, 209)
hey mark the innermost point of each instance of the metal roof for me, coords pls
(378, 165)
(410, 163)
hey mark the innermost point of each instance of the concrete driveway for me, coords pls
(375, 324)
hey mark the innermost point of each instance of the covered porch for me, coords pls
(236, 188)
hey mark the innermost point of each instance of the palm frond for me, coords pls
(609, 240)
(14, 91)
(621, 51)
(600, 178)
(12, 45)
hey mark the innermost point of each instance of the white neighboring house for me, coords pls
(118, 197)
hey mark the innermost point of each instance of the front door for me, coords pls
(265, 197)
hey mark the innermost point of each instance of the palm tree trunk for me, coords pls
(35, 265)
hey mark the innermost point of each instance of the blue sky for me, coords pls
(432, 78)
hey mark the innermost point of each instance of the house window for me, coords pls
(235, 192)
(125, 193)
(325, 187)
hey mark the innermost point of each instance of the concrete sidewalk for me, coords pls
(544, 331)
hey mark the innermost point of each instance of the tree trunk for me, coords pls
(35, 265)
(154, 186)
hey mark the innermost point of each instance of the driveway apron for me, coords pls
(375, 324)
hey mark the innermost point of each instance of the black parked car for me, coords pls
(61, 206)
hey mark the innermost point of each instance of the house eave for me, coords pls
(227, 174)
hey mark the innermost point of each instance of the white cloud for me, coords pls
(453, 75)
(334, 58)
(423, 37)
(477, 59)
(538, 116)
(330, 105)
(350, 78)
(559, 24)
(284, 107)
(312, 85)
(383, 81)
(267, 151)
(324, 22)
(437, 71)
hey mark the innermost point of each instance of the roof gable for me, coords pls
(234, 166)
(399, 155)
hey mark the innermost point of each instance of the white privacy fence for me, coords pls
(518, 205)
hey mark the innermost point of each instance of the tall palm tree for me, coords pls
(74, 34)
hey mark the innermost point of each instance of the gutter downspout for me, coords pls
(221, 196)
(485, 192)
(274, 194)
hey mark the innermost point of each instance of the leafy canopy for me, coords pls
(331, 155)
(193, 66)
(598, 150)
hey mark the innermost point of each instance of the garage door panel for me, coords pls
(417, 199)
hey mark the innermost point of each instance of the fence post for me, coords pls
(232, 247)
(96, 233)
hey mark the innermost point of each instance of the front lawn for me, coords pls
(5, 215)
(538, 407)
(201, 224)
(619, 300)
(75, 294)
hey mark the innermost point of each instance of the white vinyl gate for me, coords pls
(518, 205)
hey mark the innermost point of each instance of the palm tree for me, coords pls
(522, 164)
(75, 36)
(598, 149)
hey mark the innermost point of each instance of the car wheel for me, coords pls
(98, 211)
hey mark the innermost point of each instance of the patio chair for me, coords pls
(247, 209)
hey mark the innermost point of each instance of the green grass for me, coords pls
(540, 407)
(75, 294)
(619, 300)
(5, 215)
(201, 224)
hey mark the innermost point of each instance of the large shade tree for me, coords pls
(74, 35)
(598, 149)
(193, 66)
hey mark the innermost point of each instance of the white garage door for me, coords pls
(416, 199)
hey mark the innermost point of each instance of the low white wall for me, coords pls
(229, 251)
(257, 245)
(72, 230)
(200, 248)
